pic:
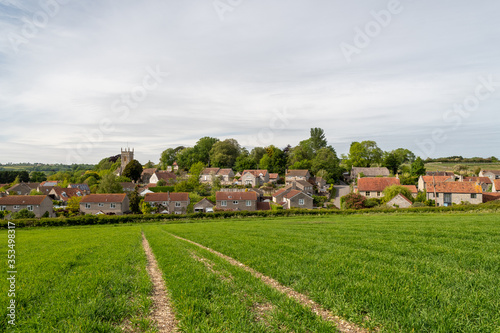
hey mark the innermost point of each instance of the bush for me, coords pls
(372, 202)
(353, 201)
(23, 214)
(418, 204)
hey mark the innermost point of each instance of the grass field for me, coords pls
(79, 279)
(448, 166)
(396, 273)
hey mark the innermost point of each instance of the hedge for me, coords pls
(117, 219)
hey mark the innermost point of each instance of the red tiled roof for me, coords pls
(376, 184)
(485, 180)
(22, 200)
(166, 196)
(437, 179)
(263, 206)
(236, 196)
(106, 197)
(497, 184)
(274, 176)
(412, 188)
(297, 173)
(70, 192)
(278, 192)
(165, 175)
(256, 173)
(491, 196)
(455, 187)
(224, 172)
(292, 193)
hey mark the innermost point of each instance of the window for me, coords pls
(113, 205)
(235, 202)
(473, 196)
(87, 205)
(164, 203)
(2, 208)
(178, 213)
(301, 202)
(64, 194)
(367, 194)
(378, 194)
(16, 206)
(249, 203)
(223, 203)
(437, 195)
(177, 204)
(30, 208)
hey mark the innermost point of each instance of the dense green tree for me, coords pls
(353, 201)
(317, 139)
(326, 159)
(363, 154)
(404, 155)
(224, 153)
(168, 157)
(149, 165)
(393, 190)
(109, 184)
(391, 162)
(133, 170)
(273, 161)
(203, 148)
(135, 201)
(418, 167)
(301, 165)
(256, 154)
(38, 177)
(23, 214)
(186, 158)
(303, 151)
(244, 162)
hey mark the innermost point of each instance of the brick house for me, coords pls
(448, 193)
(373, 187)
(236, 201)
(38, 204)
(273, 178)
(116, 203)
(169, 202)
(254, 177)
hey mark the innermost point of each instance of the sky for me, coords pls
(79, 80)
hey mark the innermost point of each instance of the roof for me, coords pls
(440, 173)
(412, 188)
(370, 172)
(280, 191)
(376, 184)
(106, 197)
(402, 197)
(274, 176)
(263, 206)
(236, 195)
(491, 196)
(437, 179)
(204, 200)
(303, 183)
(65, 193)
(83, 187)
(23, 200)
(297, 173)
(292, 193)
(24, 185)
(167, 196)
(148, 171)
(165, 175)
(484, 180)
(455, 187)
(128, 185)
(256, 173)
(497, 184)
(495, 172)
(224, 172)
(49, 183)
(210, 171)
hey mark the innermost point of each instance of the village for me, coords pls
(249, 190)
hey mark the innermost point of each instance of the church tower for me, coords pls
(127, 156)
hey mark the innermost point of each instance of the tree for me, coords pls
(244, 162)
(168, 157)
(146, 208)
(404, 155)
(326, 159)
(109, 184)
(318, 139)
(391, 162)
(35, 192)
(364, 154)
(353, 201)
(23, 214)
(161, 182)
(303, 151)
(149, 165)
(418, 167)
(224, 153)
(37, 177)
(135, 201)
(274, 160)
(393, 190)
(74, 204)
(133, 170)
(203, 148)
(256, 155)
(186, 158)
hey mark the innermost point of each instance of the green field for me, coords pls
(393, 273)
(448, 166)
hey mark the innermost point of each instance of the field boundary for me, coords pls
(162, 313)
(342, 325)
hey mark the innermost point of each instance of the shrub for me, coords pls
(23, 214)
(372, 202)
(354, 201)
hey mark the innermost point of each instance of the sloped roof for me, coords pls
(455, 187)
(376, 184)
(274, 176)
(49, 183)
(497, 184)
(165, 175)
(491, 196)
(304, 183)
(204, 200)
(412, 188)
(22, 199)
(65, 193)
(148, 171)
(440, 173)
(106, 197)
(255, 173)
(370, 172)
(280, 191)
(297, 173)
(263, 206)
(167, 196)
(485, 180)
(399, 195)
(495, 172)
(224, 172)
(293, 193)
(83, 187)
(437, 179)
(209, 171)
(236, 196)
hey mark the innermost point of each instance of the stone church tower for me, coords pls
(127, 156)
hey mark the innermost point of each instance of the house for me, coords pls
(64, 194)
(254, 177)
(146, 174)
(372, 187)
(20, 189)
(297, 199)
(448, 193)
(225, 175)
(413, 189)
(296, 175)
(491, 174)
(49, 183)
(440, 173)
(169, 177)
(279, 194)
(204, 206)
(169, 202)
(485, 182)
(368, 172)
(236, 201)
(423, 181)
(128, 186)
(494, 196)
(303, 185)
(399, 201)
(273, 178)
(320, 183)
(116, 203)
(38, 204)
(496, 186)
(84, 188)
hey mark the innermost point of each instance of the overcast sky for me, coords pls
(81, 79)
